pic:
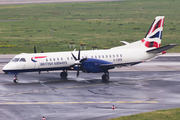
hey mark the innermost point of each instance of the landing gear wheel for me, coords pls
(63, 74)
(105, 78)
(15, 80)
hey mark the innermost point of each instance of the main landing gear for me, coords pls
(64, 74)
(15, 79)
(105, 77)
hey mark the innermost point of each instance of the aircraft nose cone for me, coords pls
(6, 68)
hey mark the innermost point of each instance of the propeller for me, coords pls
(34, 49)
(78, 62)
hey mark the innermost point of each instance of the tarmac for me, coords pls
(149, 86)
(9, 2)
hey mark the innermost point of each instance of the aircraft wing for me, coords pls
(161, 49)
(119, 64)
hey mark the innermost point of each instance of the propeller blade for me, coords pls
(79, 55)
(82, 60)
(78, 61)
(83, 69)
(74, 56)
(78, 71)
(34, 49)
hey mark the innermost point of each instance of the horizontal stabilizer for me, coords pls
(124, 42)
(161, 49)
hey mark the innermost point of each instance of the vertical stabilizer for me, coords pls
(152, 39)
(153, 36)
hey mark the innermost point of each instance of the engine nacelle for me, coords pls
(93, 65)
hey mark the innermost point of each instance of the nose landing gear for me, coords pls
(15, 79)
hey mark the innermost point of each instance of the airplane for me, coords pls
(93, 61)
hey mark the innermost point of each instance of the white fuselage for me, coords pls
(61, 60)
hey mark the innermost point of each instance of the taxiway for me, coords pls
(5, 2)
(145, 87)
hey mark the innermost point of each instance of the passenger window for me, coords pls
(120, 55)
(117, 55)
(102, 56)
(91, 56)
(46, 59)
(67, 58)
(50, 59)
(113, 55)
(57, 59)
(71, 58)
(110, 56)
(106, 56)
(95, 56)
(15, 60)
(61, 58)
(54, 59)
(99, 56)
(22, 60)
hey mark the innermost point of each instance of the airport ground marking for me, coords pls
(87, 102)
(70, 80)
(71, 87)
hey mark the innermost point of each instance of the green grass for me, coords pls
(171, 114)
(96, 23)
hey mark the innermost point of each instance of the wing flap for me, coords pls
(161, 49)
(120, 64)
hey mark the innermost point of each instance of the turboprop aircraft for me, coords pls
(93, 61)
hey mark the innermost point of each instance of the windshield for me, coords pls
(22, 60)
(15, 60)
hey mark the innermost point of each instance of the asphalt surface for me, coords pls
(5, 2)
(145, 87)
(136, 89)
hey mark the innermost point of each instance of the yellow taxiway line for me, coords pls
(87, 102)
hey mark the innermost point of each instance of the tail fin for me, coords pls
(153, 36)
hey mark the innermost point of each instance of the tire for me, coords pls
(63, 74)
(15, 80)
(105, 78)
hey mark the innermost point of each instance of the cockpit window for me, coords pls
(22, 60)
(15, 60)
